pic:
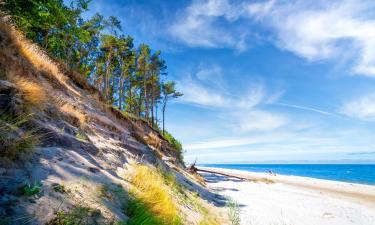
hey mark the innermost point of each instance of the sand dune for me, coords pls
(290, 200)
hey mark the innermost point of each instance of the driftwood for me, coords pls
(223, 174)
(192, 168)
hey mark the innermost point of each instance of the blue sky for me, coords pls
(263, 80)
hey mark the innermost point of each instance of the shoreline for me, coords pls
(300, 199)
(213, 166)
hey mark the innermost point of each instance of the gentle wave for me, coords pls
(355, 173)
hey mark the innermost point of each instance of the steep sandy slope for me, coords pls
(83, 144)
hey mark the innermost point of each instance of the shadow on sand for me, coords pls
(215, 178)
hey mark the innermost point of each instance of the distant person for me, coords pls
(271, 173)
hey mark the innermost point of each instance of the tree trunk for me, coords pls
(146, 100)
(131, 105)
(164, 106)
(140, 104)
(120, 94)
(152, 105)
(106, 80)
(156, 113)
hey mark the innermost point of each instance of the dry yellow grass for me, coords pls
(152, 191)
(32, 92)
(153, 140)
(31, 59)
(75, 113)
(37, 57)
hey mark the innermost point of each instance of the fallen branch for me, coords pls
(223, 174)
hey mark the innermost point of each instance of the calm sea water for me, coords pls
(364, 174)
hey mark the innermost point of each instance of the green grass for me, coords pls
(81, 136)
(59, 188)
(79, 215)
(16, 138)
(151, 200)
(141, 213)
(233, 212)
(175, 144)
(31, 190)
(114, 193)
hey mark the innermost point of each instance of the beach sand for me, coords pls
(265, 199)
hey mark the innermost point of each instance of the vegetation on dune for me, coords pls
(95, 53)
(151, 200)
(176, 145)
(30, 190)
(78, 215)
(156, 195)
(32, 93)
(233, 212)
(16, 143)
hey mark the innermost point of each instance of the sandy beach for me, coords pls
(266, 199)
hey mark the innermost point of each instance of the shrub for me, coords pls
(176, 145)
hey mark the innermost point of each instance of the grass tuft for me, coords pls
(114, 193)
(32, 93)
(81, 136)
(233, 212)
(79, 119)
(14, 142)
(59, 188)
(79, 215)
(151, 200)
(31, 190)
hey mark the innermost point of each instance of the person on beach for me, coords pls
(271, 173)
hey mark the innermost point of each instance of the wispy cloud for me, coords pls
(288, 143)
(213, 144)
(198, 93)
(315, 30)
(196, 25)
(362, 108)
(362, 153)
(306, 108)
(326, 30)
(256, 120)
(240, 112)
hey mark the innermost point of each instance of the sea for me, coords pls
(352, 173)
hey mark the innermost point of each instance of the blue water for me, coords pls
(353, 173)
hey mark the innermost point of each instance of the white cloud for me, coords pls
(241, 112)
(327, 30)
(362, 108)
(307, 109)
(198, 94)
(196, 25)
(195, 92)
(257, 120)
(209, 74)
(235, 142)
(315, 30)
